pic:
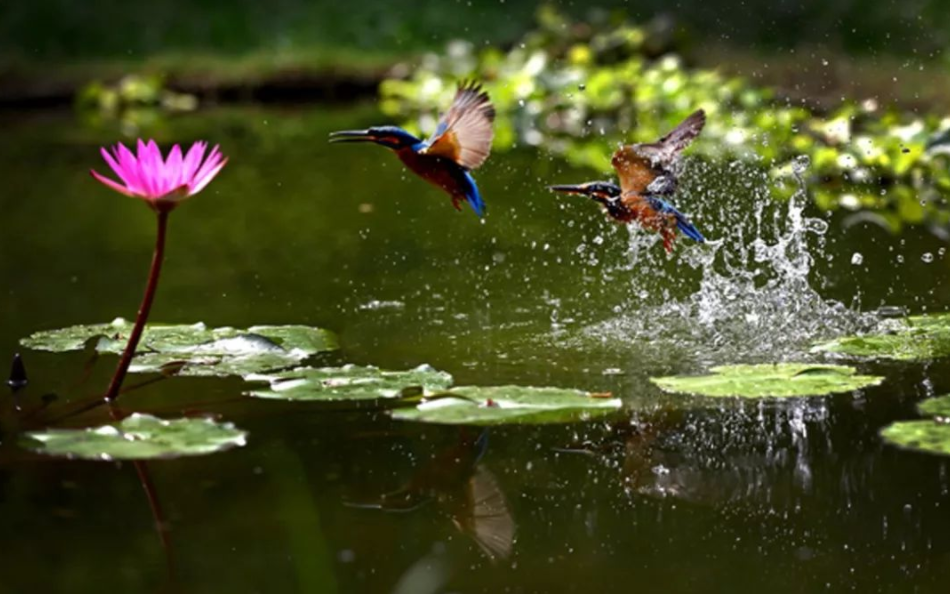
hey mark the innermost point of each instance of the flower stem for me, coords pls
(159, 256)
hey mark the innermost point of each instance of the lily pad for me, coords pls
(509, 405)
(910, 339)
(350, 382)
(194, 349)
(938, 407)
(928, 435)
(138, 437)
(783, 380)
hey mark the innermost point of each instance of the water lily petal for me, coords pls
(147, 175)
(192, 160)
(128, 163)
(202, 181)
(173, 167)
(111, 184)
(210, 163)
(118, 169)
(144, 171)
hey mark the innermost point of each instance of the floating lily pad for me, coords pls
(194, 349)
(504, 405)
(350, 382)
(783, 380)
(138, 437)
(928, 435)
(910, 339)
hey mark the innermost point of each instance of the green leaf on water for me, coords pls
(137, 437)
(350, 382)
(509, 405)
(910, 339)
(935, 407)
(926, 435)
(782, 380)
(194, 349)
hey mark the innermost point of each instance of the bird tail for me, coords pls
(688, 229)
(473, 197)
(682, 221)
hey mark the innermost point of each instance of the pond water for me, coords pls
(796, 496)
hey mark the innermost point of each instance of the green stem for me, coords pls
(116, 384)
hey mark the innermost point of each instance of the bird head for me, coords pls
(599, 191)
(391, 137)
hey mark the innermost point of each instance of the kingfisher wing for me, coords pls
(664, 152)
(464, 133)
(633, 169)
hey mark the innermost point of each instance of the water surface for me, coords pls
(792, 497)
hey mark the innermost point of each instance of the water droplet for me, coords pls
(927, 257)
(800, 164)
(857, 258)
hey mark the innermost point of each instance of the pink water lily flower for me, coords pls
(162, 184)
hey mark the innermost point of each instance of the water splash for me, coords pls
(746, 296)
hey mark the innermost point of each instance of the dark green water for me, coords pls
(790, 497)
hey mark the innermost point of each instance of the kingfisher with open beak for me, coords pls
(461, 143)
(648, 177)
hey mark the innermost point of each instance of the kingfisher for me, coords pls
(648, 175)
(461, 143)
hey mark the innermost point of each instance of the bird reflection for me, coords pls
(463, 489)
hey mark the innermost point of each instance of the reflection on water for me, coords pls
(463, 489)
(545, 292)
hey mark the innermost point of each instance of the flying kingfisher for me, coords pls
(648, 174)
(461, 142)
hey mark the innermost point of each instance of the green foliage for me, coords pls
(350, 382)
(137, 437)
(938, 407)
(928, 436)
(134, 101)
(579, 92)
(914, 338)
(509, 405)
(782, 380)
(194, 349)
(931, 435)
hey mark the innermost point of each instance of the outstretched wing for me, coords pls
(464, 133)
(638, 165)
(665, 151)
(633, 169)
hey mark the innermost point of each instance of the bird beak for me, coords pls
(352, 136)
(568, 189)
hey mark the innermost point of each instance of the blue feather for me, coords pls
(472, 195)
(682, 223)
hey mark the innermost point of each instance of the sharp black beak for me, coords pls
(352, 136)
(569, 189)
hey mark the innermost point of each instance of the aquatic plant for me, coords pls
(930, 435)
(780, 380)
(194, 349)
(163, 185)
(135, 101)
(914, 338)
(138, 437)
(579, 90)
